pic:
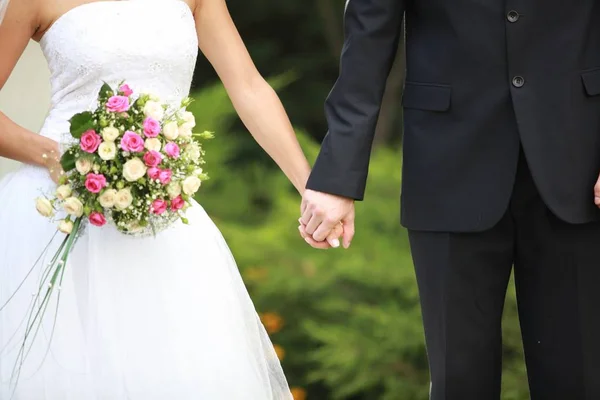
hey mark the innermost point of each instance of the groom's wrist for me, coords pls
(346, 186)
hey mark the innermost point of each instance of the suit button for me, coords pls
(518, 81)
(512, 16)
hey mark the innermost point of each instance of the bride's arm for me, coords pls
(17, 143)
(255, 101)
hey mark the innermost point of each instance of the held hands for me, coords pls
(326, 217)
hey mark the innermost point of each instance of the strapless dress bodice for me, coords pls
(151, 44)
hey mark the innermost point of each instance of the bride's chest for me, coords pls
(138, 34)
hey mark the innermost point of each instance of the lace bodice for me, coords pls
(152, 44)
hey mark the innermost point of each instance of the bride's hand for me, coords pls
(52, 164)
(332, 240)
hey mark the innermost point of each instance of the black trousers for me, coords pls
(463, 279)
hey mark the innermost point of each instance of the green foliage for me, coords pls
(352, 321)
(80, 123)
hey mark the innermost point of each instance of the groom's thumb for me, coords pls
(348, 224)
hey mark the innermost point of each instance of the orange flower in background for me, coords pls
(256, 274)
(272, 322)
(298, 393)
(280, 351)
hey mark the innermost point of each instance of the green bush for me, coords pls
(351, 320)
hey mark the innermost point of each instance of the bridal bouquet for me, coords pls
(132, 162)
(135, 163)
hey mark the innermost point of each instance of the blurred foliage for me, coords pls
(306, 37)
(346, 324)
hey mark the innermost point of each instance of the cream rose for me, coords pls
(65, 226)
(171, 130)
(198, 171)
(108, 198)
(192, 151)
(189, 120)
(44, 207)
(83, 165)
(74, 207)
(63, 191)
(153, 144)
(173, 189)
(191, 184)
(123, 199)
(110, 134)
(134, 169)
(185, 132)
(107, 151)
(154, 110)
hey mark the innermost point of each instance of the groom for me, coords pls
(501, 162)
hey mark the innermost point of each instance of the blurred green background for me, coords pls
(346, 324)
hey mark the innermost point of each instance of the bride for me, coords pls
(166, 317)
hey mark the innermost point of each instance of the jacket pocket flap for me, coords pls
(591, 81)
(425, 96)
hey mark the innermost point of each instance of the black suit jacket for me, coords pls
(483, 77)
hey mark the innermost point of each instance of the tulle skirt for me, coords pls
(139, 318)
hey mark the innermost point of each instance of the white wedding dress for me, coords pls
(161, 318)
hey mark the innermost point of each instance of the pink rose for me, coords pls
(159, 206)
(132, 142)
(95, 182)
(153, 173)
(151, 127)
(118, 104)
(126, 90)
(172, 150)
(165, 176)
(177, 203)
(97, 218)
(152, 158)
(90, 141)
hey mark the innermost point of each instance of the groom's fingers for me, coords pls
(306, 216)
(311, 241)
(324, 228)
(348, 233)
(315, 220)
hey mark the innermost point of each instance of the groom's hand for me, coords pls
(323, 212)
(597, 193)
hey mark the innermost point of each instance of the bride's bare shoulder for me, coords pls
(51, 10)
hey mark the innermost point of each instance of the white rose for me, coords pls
(134, 169)
(74, 207)
(63, 191)
(110, 134)
(174, 189)
(123, 199)
(154, 110)
(108, 198)
(153, 144)
(171, 130)
(192, 151)
(189, 120)
(185, 132)
(107, 151)
(44, 207)
(65, 226)
(191, 184)
(83, 165)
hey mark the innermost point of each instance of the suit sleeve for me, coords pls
(372, 30)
